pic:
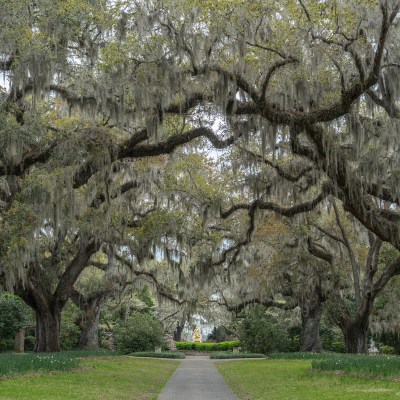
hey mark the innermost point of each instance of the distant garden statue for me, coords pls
(372, 348)
(196, 335)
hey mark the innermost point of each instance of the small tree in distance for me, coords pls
(139, 332)
(259, 333)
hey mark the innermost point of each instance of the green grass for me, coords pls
(11, 363)
(98, 379)
(301, 356)
(91, 353)
(379, 366)
(355, 364)
(164, 354)
(225, 355)
(294, 380)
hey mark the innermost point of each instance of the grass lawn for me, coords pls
(294, 380)
(105, 378)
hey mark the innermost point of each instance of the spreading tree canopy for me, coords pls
(303, 95)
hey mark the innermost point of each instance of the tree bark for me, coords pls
(354, 327)
(178, 331)
(89, 326)
(47, 313)
(311, 313)
(356, 337)
(48, 305)
(48, 330)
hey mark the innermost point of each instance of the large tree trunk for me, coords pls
(47, 312)
(48, 330)
(311, 313)
(354, 328)
(355, 337)
(89, 325)
(310, 339)
(48, 304)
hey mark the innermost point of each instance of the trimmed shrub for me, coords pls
(185, 345)
(196, 346)
(139, 332)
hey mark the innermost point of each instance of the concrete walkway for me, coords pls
(196, 378)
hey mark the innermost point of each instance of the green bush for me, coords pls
(12, 318)
(259, 333)
(294, 344)
(391, 339)
(6, 344)
(387, 349)
(139, 332)
(29, 343)
(331, 337)
(221, 334)
(69, 331)
(164, 354)
(185, 345)
(196, 346)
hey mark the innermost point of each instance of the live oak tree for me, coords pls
(284, 275)
(60, 161)
(90, 87)
(356, 255)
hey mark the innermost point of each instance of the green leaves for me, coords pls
(140, 332)
(13, 316)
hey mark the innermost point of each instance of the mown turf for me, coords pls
(226, 355)
(116, 378)
(294, 380)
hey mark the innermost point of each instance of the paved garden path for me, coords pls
(196, 378)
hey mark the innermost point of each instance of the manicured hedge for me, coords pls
(165, 354)
(196, 346)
